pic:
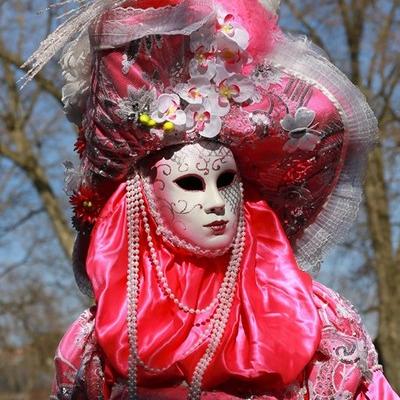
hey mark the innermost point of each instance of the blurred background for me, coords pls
(38, 297)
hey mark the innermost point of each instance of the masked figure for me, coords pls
(219, 161)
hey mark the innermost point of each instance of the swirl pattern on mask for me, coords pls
(209, 158)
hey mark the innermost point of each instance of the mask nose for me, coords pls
(215, 203)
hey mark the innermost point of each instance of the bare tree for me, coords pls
(33, 137)
(38, 294)
(362, 37)
(22, 133)
(31, 326)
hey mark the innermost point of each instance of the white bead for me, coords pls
(223, 301)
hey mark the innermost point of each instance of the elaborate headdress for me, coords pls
(142, 75)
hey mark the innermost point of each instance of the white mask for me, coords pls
(195, 196)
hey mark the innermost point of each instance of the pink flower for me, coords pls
(168, 109)
(237, 88)
(232, 56)
(195, 91)
(200, 119)
(202, 64)
(227, 27)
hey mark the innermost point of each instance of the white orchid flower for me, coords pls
(195, 91)
(201, 119)
(234, 88)
(232, 30)
(202, 64)
(204, 37)
(231, 55)
(168, 109)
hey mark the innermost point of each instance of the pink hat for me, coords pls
(150, 74)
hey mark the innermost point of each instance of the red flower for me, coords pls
(87, 205)
(80, 144)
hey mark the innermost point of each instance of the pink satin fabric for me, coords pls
(78, 355)
(273, 330)
(378, 389)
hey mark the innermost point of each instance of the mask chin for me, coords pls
(195, 196)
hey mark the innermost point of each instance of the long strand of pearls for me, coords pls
(221, 315)
(136, 208)
(161, 276)
(133, 214)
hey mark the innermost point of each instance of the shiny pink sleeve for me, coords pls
(69, 356)
(378, 389)
(349, 365)
(79, 371)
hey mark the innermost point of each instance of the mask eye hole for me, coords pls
(226, 179)
(190, 183)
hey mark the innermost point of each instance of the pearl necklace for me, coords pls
(221, 315)
(162, 279)
(136, 208)
(133, 197)
(161, 276)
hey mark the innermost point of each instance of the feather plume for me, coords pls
(271, 5)
(78, 21)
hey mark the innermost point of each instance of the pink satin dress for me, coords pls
(287, 337)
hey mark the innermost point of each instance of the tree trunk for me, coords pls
(39, 179)
(386, 267)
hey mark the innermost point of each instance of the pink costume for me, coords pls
(247, 322)
(287, 338)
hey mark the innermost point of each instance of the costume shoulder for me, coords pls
(346, 362)
(344, 335)
(79, 372)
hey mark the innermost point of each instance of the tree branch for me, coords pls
(29, 163)
(353, 22)
(312, 33)
(15, 157)
(18, 264)
(21, 221)
(33, 98)
(47, 85)
(381, 42)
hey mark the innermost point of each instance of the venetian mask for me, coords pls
(194, 193)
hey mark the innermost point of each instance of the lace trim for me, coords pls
(124, 25)
(345, 328)
(298, 58)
